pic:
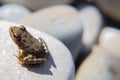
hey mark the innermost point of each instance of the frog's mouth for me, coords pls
(12, 34)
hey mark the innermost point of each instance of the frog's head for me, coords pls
(16, 33)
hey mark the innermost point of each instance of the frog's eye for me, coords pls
(17, 37)
(22, 28)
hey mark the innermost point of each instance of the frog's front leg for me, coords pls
(20, 54)
(44, 45)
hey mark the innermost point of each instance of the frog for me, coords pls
(31, 51)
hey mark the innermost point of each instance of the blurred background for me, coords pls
(89, 28)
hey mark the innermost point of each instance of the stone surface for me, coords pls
(99, 65)
(60, 21)
(59, 65)
(13, 12)
(110, 40)
(91, 19)
(37, 4)
(110, 8)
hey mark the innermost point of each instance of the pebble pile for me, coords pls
(83, 46)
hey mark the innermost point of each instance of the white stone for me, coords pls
(110, 7)
(110, 40)
(37, 4)
(59, 65)
(91, 19)
(13, 12)
(99, 65)
(50, 17)
(60, 21)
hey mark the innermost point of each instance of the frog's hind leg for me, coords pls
(44, 45)
(30, 60)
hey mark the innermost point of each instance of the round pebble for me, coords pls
(110, 40)
(110, 7)
(99, 65)
(13, 12)
(59, 65)
(92, 21)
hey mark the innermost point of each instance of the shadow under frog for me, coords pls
(45, 68)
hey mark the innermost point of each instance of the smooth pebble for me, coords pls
(110, 40)
(110, 7)
(99, 65)
(59, 65)
(92, 21)
(13, 12)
